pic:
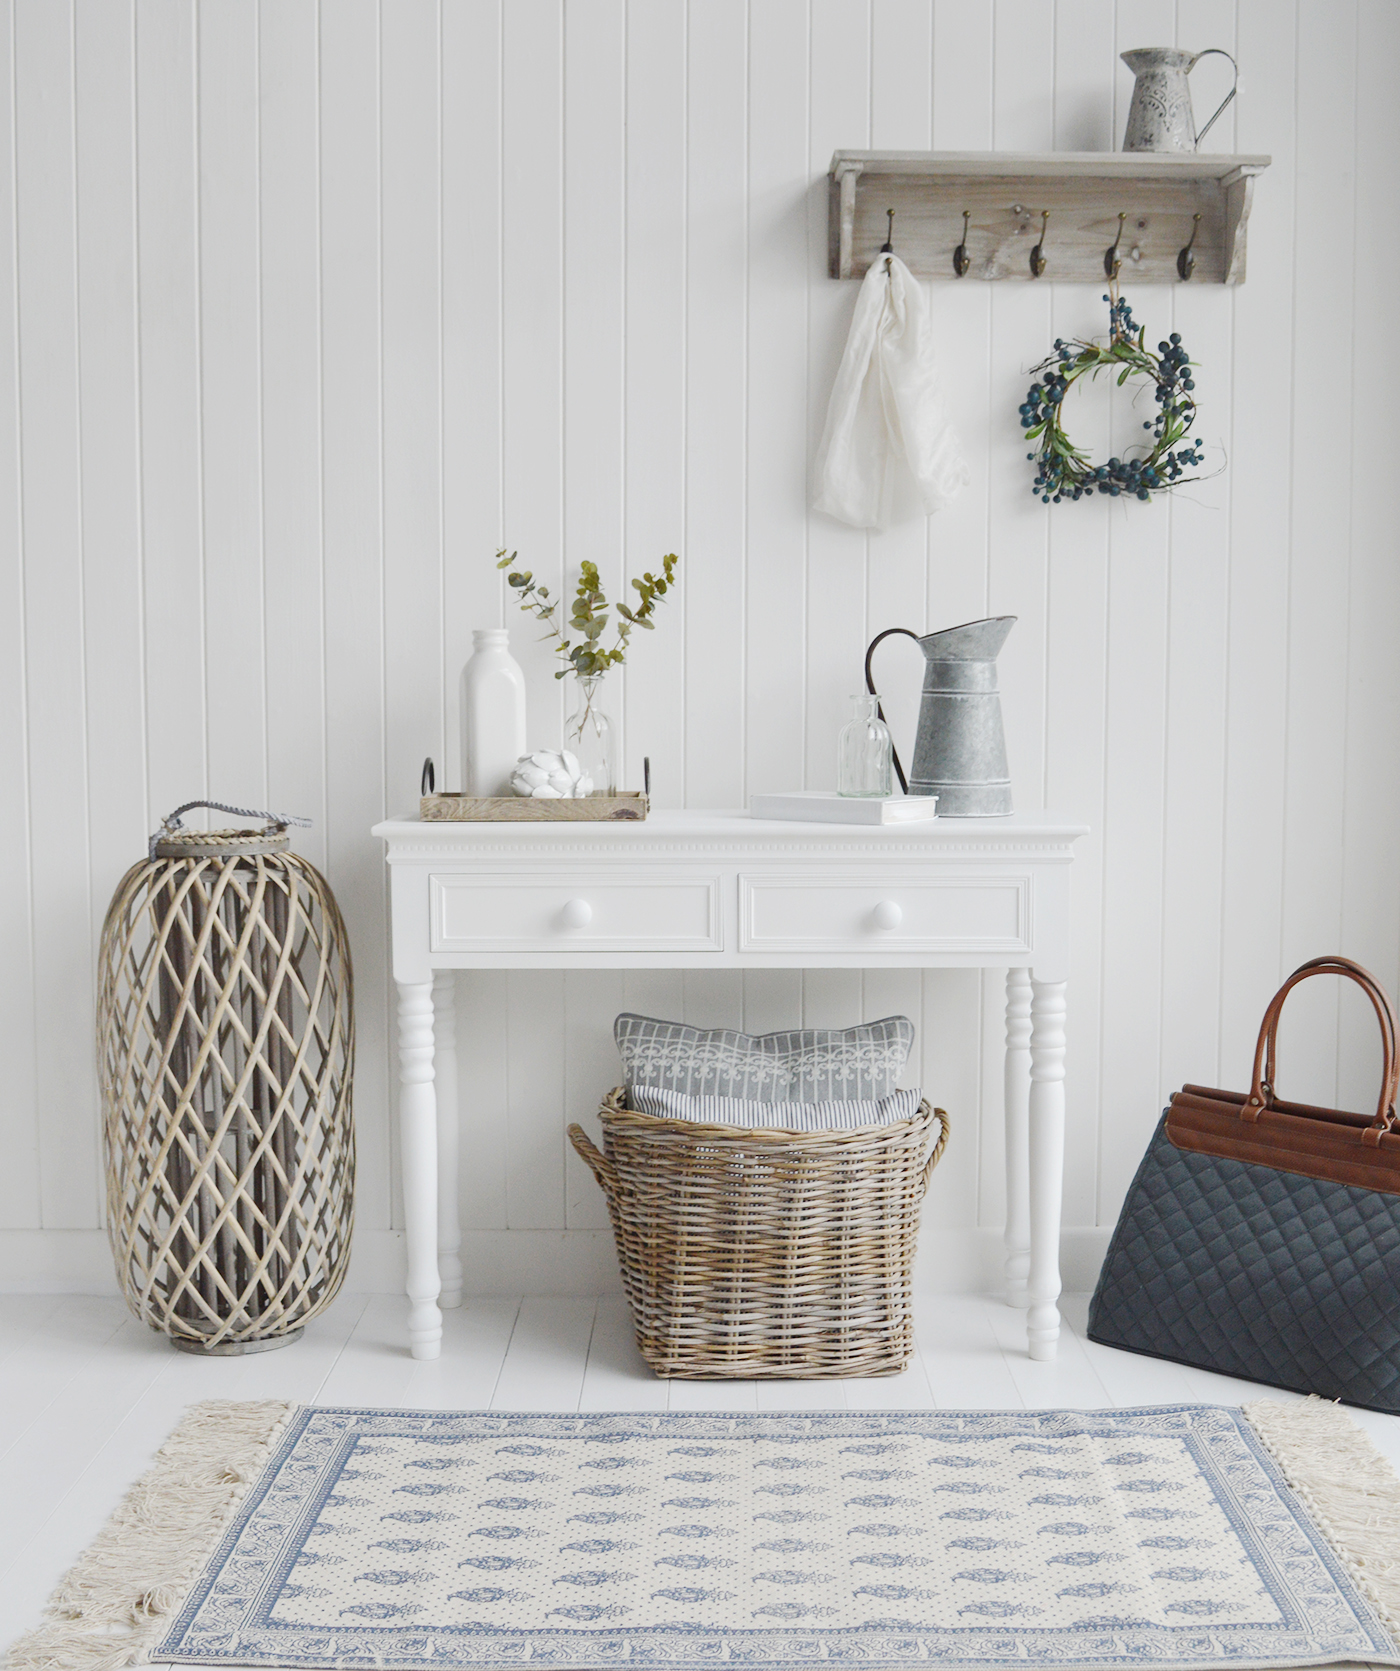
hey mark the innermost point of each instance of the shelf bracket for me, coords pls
(843, 182)
(1239, 200)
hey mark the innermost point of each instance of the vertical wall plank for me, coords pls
(473, 590)
(172, 514)
(409, 259)
(772, 1000)
(352, 491)
(104, 79)
(959, 544)
(483, 1069)
(654, 390)
(532, 247)
(836, 555)
(1076, 648)
(593, 302)
(1017, 524)
(594, 231)
(592, 1000)
(230, 358)
(472, 519)
(1322, 552)
(19, 1114)
(715, 379)
(953, 1081)
(901, 119)
(1134, 789)
(776, 525)
(532, 325)
(1370, 908)
(1260, 534)
(535, 1089)
(53, 603)
(288, 146)
(1197, 664)
(1197, 651)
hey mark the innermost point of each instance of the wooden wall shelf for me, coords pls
(1006, 193)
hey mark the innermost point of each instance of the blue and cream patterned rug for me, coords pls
(1168, 1537)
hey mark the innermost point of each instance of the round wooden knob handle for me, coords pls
(578, 913)
(887, 914)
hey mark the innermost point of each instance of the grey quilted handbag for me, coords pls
(1262, 1238)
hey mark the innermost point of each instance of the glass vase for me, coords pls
(864, 754)
(588, 733)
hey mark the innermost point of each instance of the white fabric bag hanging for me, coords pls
(887, 409)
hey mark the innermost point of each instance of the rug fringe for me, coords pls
(114, 1605)
(1351, 1490)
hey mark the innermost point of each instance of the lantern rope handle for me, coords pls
(173, 821)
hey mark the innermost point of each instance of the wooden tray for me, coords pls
(525, 809)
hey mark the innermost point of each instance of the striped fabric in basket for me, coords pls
(782, 1116)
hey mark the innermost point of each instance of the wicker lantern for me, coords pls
(225, 1036)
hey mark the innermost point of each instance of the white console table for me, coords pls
(706, 890)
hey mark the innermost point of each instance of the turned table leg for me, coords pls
(1017, 1101)
(418, 1146)
(449, 1231)
(1047, 1161)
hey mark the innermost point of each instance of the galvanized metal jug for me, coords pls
(1160, 117)
(960, 747)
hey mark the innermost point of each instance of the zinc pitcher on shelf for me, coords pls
(1160, 117)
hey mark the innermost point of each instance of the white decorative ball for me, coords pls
(551, 775)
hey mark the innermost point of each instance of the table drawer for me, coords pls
(885, 911)
(572, 911)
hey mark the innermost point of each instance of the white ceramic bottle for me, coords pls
(493, 714)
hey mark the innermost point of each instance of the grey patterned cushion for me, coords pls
(1261, 1274)
(810, 1064)
(782, 1116)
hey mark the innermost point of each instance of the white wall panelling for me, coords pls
(311, 307)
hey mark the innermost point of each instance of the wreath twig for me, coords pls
(1064, 471)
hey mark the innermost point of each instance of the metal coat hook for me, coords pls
(1037, 254)
(961, 259)
(887, 248)
(1111, 262)
(1186, 260)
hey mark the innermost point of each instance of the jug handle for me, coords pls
(1219, 52)
(870, 686)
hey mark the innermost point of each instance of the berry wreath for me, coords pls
(1062, 470)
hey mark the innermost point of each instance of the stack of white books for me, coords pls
(824, 806)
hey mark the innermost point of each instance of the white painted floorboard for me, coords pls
(87, 1394)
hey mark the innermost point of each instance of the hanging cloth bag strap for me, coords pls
(1259, 1127)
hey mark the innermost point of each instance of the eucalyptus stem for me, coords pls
(588, 614)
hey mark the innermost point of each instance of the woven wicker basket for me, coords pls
(226, 1051)
(752, 1253)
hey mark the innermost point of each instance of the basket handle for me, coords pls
(173, 821)
(598, 1163)
(935, 1154)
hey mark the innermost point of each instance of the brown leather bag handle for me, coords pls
(1261, 1091)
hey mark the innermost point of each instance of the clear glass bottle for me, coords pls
(588, 733)
(864, 753)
